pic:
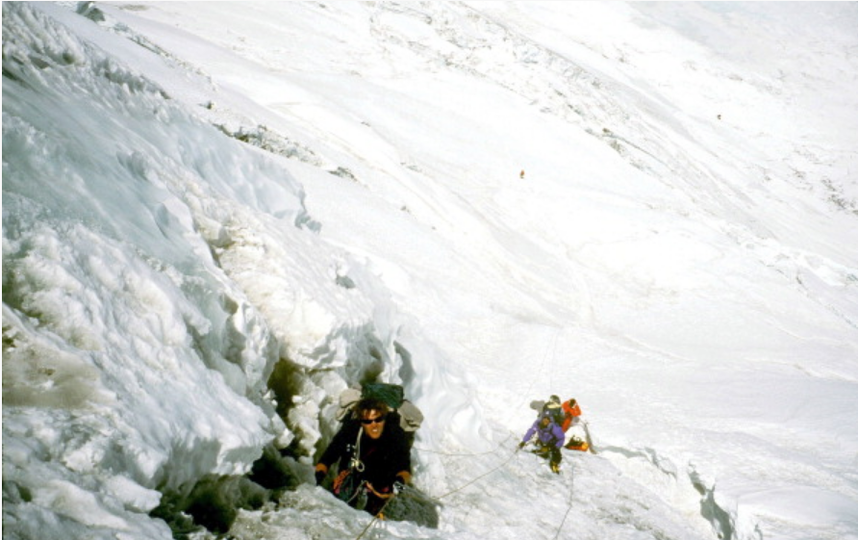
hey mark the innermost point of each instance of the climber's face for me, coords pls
(373, 423)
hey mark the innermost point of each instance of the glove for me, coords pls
(521, 444)
(403, 478)
(321, 473)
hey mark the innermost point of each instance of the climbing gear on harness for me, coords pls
(355, 463)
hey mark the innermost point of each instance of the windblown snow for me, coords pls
(219, 215)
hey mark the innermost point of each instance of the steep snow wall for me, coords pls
(167, 305)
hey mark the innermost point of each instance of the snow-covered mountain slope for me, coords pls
(217, 216)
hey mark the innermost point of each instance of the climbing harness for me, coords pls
(343, 486)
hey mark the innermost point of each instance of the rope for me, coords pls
(554, 352)
(394, 494)
(550, 351)
(355, 494)
(381, 511)
(460, 488)
(465, 454)
(568, 508)
(375, 517)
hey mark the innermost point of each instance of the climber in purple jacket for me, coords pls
(549, 440)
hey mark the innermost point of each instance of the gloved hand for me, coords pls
(521, 445)
(404, 478)
(320, 477)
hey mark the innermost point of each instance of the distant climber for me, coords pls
(549, 440)
(521, 174)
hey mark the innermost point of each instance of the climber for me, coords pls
(549, 440)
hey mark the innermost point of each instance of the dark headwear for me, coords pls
(371, 404)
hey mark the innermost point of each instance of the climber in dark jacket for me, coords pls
(372, 455)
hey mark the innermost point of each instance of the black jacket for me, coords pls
(382, 458)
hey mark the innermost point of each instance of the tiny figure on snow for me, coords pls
(521, 174)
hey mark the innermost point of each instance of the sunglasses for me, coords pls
(368, 421)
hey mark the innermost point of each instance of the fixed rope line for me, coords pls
(405, 492)
(568, 508)
(549, 351)
(553, 356)
(394, 495)
(480, 477)
(451, 454)
(460, 488)
(499, 446)
(375, 517)
(465, 454)
(554, 343)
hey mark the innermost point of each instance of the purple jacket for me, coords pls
(552, 434)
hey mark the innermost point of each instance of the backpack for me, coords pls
(555, 413)
(552, 407)
(393, 395)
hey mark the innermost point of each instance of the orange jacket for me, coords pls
(571, 410)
